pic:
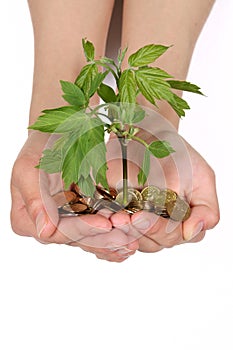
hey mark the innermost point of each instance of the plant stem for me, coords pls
(140, 140)
(123, 143)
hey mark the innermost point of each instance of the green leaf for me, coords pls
(105, 60)
(89, 50)
(138, 115)
(96, 82)
(160, 149)
(179, 105)
(84, 152)
(152, 86)
(121, 55)
(86, 186)
(52, 119)
(106, 93)
(70, 164)
(101, 177)
(73, 94)
(145, 88)
(184, 86)
(127, 87)
(86, 77)
(144, 171)
(146, 55)
(51, 162)
(155, 73)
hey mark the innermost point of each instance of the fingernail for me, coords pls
(40, 223)
(197, 229)
(142, 224)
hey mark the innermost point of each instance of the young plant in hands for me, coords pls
(80, 151)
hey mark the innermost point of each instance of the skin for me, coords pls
(110, 237)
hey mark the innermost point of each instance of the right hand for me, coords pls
(34, 212)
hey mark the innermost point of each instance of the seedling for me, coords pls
(79, 154)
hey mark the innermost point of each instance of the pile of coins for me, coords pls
(163, 202)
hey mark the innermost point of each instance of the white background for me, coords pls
(58, 297)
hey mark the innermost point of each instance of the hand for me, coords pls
(187, 173)
(34, 212)
(200, 190)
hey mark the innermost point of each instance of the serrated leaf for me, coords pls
(80, 123)
(70, 164)
(83, 149)
(184, 86)
(144, 88)
(97, 82)
(73, 94)
(160, 149)
(146, 55)
(155, 73)
(138, 115)
(179, 105)
(106, 93)
(86, 186)
(145, 169)
(152, 86)
(121, 55)
(101, 178)
(86, 77)
(52, 119)
(105, 60)
(89, 50)
(51, 161)
(127, 87)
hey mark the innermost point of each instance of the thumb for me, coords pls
(202, 218)
(40, 206)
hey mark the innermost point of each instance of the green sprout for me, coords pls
(79, 154)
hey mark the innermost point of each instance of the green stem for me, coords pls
(123, 143)
(140, 140)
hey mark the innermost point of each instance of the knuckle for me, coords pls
(214, 218)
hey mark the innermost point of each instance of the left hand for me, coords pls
(187, 173)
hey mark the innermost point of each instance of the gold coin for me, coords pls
(170, 195)
(64, 197)
(178, 210)
(149, 193)
(133, 195)
(135, 206)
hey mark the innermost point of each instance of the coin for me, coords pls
(148, 206)
(134, 206)
(161, 211)
(74, 188)
(149, 193)
(133, 195)
(79, 207)
(103, 193)
(170, 195)
(106, 204)
(178, 210)
(64, 197)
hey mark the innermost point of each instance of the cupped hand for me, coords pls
(185, 172)
(34, 211)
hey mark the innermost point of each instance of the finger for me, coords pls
(157, 232)
(34, 192)
(202, 218)
(75, 229)
(198, 238)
